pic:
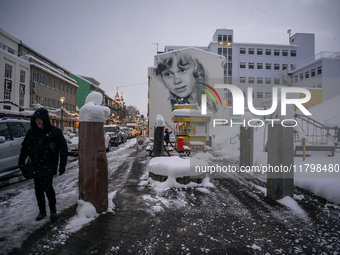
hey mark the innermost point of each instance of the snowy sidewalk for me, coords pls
(235, 217)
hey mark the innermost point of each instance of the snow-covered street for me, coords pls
(233, 217)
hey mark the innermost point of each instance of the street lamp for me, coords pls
(62, 99)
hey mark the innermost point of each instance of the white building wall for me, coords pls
(9, 55)
(322, 73)
(17, 64)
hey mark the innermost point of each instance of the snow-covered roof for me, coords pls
(51, 70)
(189, 113)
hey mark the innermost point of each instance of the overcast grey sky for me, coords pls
(112, 40)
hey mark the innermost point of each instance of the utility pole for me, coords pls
(157, 46)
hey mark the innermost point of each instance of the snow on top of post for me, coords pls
(92, 111)
(159, 121)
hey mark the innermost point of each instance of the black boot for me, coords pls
(40, 216)
(54, 215)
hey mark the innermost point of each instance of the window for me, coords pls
(285, 53)
(242, 65)
(260, 66)
(277, 67)
(8, 82)
(292, 67)
(268, 52)
(22, 88)
(251, 80)
(251, 51)
(259, 94)
(301, 77)
(268, 66)
(35, 76)
(219, 51)
(259, 51)
(268, 94)
(313, 72)
(8, 71)
(293, 53)
(259, 80)
(307, 74)
(243, 51)
(242, 79)
(17, 129)
(319, 70)
(22, 76)
(268, 80)
(284, 66)
(4, 131)
(277, 81)
(251, 65)
(276, 52)
(296, 78)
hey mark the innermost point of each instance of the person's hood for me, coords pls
(41, 113)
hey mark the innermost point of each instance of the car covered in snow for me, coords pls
(72, 144)
(115, 134)
(12, 134)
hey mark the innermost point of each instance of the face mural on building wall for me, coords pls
(182, 75)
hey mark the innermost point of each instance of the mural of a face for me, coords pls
(179, 77)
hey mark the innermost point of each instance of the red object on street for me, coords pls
(180, 143)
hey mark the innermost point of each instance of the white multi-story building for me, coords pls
(263, 66)
(14, 75)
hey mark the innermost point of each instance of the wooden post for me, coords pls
(246, 146)
(93, 171)
(158, 143)
(280, 155)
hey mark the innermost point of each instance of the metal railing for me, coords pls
(316, 133)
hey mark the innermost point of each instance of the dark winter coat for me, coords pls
(43, 147)
(167, 135)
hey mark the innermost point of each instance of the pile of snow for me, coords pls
(293, 205)
(86, 213)
(327, 112)
(176, 167)
(92, 111)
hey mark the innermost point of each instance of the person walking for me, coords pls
(167, 136)
(44, 146)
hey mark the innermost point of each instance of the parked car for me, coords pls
(72, 144)
(12, 133)
(115, 134)
(125, 134)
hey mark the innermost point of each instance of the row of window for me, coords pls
(262, 94)
(225, 41)
(49, 102)
(53, 83)
(308, 74)
(268, 52)
(266, 66)
(261, 80)
(8, 84)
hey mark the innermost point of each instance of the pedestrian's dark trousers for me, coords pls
(44, 185)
